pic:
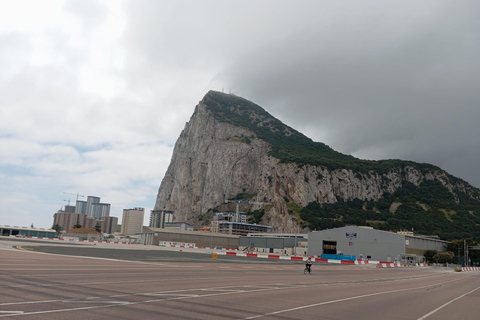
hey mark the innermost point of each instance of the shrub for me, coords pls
(443, 257)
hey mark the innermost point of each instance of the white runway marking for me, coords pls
(344, 299)
(96, 301)
(446, 304)
(171, 294)
(12, 312)
(183, 294)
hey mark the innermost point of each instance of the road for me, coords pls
(182, 285)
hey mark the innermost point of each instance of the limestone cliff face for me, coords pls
(214, 161)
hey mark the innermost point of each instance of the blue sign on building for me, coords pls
(351, 235)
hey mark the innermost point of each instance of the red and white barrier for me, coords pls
(384, 264)
(42, 238)
(180, 246)
(90, 241)
(290, 258)
(470, 269)
(388, 265)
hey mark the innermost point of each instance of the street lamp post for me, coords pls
(295, 244)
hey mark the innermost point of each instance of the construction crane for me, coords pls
(245, 202)
(77, 194)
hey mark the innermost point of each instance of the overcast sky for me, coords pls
(94, 94)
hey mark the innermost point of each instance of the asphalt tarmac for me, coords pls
(37, 282)
(132, 252)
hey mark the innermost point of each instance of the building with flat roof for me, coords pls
(6, 230)
(132, 221)
(368, 243)
(84, 234)
(200, 239)
(237, 228)
(67, 220)
(158, 218)
(92, 207)
(108, 224)
(240, 217)
(179, 225)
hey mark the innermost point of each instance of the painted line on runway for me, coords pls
(111, 259)
(344, 299)
(96, 301)
(150, 280)
(446, 304)
(222, 290)
(99, 282)
(28, 302)
(12, 312)
(171, 294)
(207, 295)
(185, 295)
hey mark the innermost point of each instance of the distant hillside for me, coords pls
(232, 148)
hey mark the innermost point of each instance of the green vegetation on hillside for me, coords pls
(463, 222)
(255, 216)
(289, 145)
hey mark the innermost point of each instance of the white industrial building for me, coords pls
(368, 243)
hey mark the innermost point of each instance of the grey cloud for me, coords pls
(402, 82)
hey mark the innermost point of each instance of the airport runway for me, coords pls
(50, 286)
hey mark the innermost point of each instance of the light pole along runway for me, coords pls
(185, 286)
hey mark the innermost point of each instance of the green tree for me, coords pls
(429, 254)
(98, 228)
(458, 246)
(57, 228)
(78, 225)
(444, 257)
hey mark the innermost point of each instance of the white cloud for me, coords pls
(93, 94)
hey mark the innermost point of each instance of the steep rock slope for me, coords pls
(232, 146)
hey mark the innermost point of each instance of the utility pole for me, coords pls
(466, 253)
(296, 232)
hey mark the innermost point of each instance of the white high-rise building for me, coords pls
(93, 208)
(91, 201)
(101, 210)
(158, 218)
(132, 221)
(81, 207)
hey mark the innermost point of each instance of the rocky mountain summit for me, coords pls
(233, 149)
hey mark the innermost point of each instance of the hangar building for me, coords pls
(368, 243)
